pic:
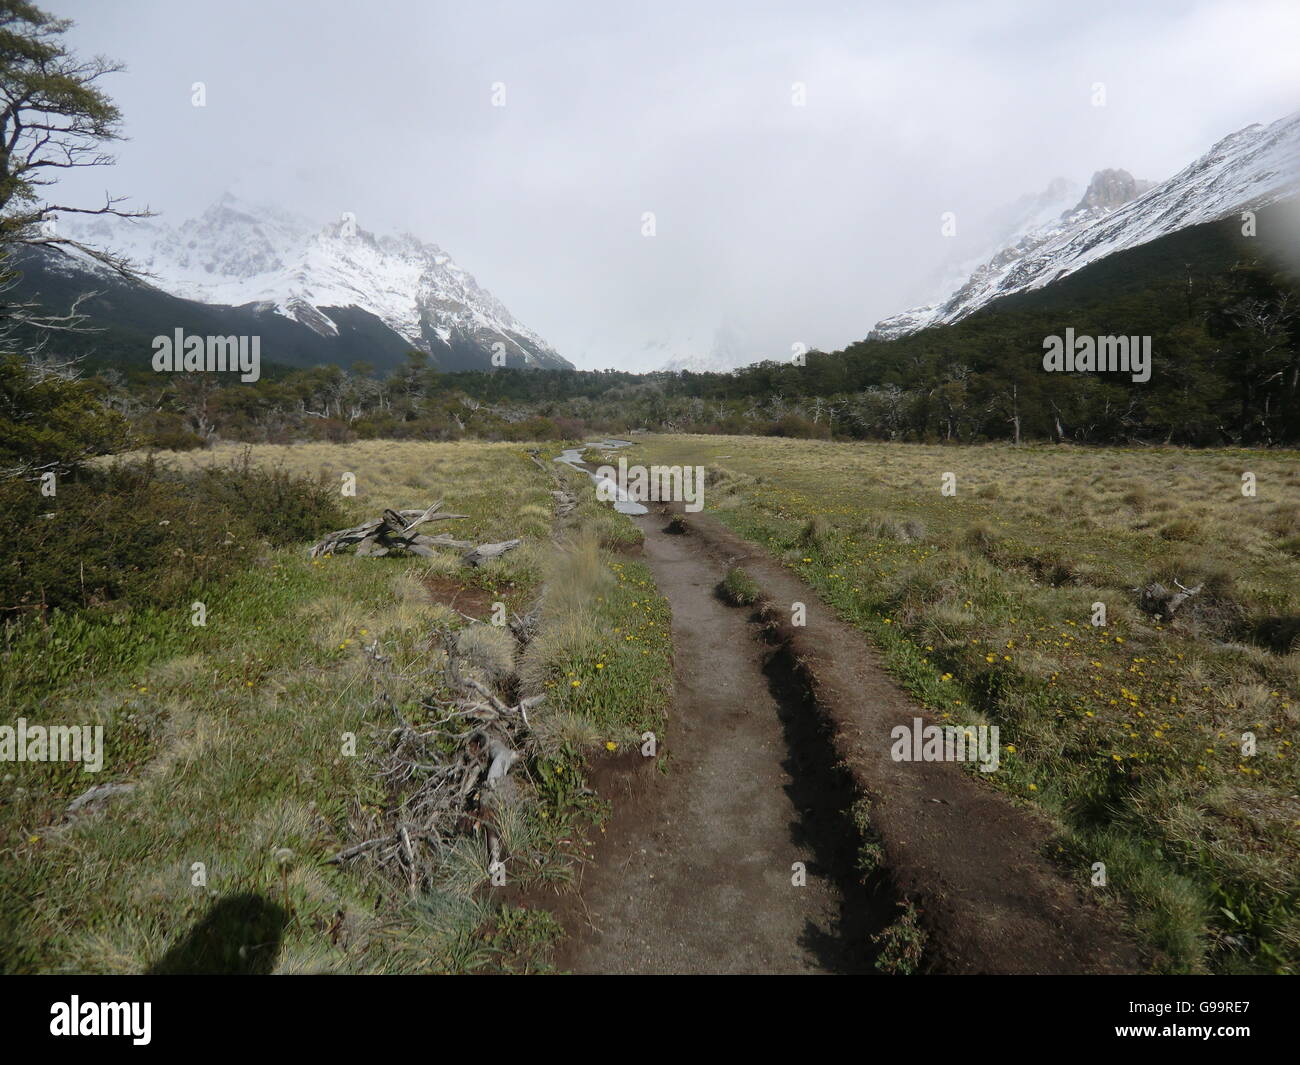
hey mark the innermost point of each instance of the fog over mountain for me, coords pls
(798, 162)
(1246, 170)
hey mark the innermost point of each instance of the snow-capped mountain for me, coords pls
(725, 350)
(1249, 169)
(973, 245)
(238, 254)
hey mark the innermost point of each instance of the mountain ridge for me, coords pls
(261, 257)
(1248, 169)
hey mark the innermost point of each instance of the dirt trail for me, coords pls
(694, 872)
(775, 732)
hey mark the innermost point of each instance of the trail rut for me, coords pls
(695, 871)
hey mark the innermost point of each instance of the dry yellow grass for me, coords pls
(396, 474)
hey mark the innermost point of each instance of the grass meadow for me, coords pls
(233, 733)
(1131, 735)
(1162, 751)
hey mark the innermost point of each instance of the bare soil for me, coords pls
(469, 600)
(694, 871)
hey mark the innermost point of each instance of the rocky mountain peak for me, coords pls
(1110, 189)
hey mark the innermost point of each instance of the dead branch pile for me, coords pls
(395, 533)
(448, 775)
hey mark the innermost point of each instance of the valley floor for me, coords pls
(1143, 814)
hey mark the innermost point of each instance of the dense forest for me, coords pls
(1222, 319)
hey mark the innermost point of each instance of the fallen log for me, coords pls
(486, 552)
(395, 532)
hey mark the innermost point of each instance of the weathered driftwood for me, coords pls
(96, 796)
(1164, 602)
(395, 531)
(448, 775)
(485, 552)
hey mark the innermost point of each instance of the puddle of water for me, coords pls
(623, 502)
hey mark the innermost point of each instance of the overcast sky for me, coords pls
(779, 223)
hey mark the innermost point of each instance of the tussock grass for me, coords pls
(739, 588)
(904, 530)
(488, 649)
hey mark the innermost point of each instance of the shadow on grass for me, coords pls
(240, 935)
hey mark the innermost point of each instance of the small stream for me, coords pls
(623, 502)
